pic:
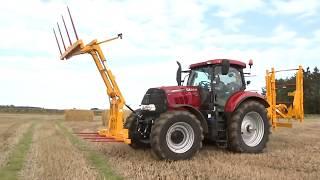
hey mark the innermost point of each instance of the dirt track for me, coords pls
(53, 156)
(12, 128)
(291, 154)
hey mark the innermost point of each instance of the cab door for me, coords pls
(226, 85)
(202, 77)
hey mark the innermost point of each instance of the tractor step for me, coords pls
(222, 144)
(222, 140)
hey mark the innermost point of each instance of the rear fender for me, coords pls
(237, 98)
(195, 112)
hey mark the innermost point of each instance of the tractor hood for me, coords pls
(182, 95)
(168, 97)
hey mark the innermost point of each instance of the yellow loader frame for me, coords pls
(114, 129)
(277, 111)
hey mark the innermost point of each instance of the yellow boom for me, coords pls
(114, 129)
(281, 111)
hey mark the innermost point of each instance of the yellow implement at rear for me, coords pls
(277, 111)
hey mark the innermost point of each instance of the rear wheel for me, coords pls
(176, 135)
(137, 140)
(249, 128)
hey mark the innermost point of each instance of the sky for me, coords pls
(273, 33)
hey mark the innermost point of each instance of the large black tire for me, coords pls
(176, 129)
(137, 141)
(245, 136)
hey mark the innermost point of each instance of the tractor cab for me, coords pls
(219, 77)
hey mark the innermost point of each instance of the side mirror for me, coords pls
(248, 82)
(225, 66)
(178, 77)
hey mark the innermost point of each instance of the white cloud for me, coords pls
(282, 35)
(295, 7)
(233, 24)
(229, 8)
(230, 11)
(317, 34)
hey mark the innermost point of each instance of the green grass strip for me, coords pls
(17, 157)
(96, 158)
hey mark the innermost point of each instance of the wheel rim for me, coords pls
(180, 137)
(252, 129)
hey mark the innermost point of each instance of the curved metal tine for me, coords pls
(55, 35)
(97, 138)
(61, 37)
(106, 141)
(64, 23)
(95, 133)
(74, 29)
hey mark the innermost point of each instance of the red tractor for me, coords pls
(213, 105)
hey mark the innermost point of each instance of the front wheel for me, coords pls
(176, 135)
(249, 128)
(137, 140)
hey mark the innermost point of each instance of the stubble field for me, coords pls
(54, 153)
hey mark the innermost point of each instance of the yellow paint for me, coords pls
(114, 128)
(280, 111)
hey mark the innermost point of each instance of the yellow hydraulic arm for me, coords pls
(114, 129)
(281, 111)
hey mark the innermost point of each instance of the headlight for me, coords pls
(149, 107)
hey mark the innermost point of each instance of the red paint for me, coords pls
(239, 97)
(218, 61)
(188, 95)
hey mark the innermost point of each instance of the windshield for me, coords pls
(200, 77)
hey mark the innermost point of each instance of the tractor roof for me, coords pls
(218, 61)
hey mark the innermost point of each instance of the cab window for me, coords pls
(200, 77)
(226, 85)
(233, 80)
